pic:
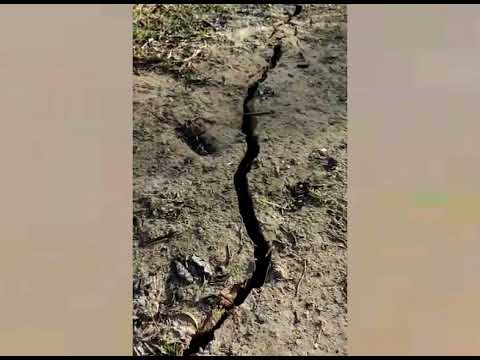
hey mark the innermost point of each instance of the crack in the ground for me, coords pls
(262, 247)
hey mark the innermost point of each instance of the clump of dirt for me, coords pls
(192, 253)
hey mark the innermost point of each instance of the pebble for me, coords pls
(261, 318)
(182, 272)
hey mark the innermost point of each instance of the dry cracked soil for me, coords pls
(275, 77)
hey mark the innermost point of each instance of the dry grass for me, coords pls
(171, 37)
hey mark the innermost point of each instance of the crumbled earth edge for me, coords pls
(190, 245)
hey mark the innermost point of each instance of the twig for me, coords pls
(164, 120)
(227, 255)
(187, 60)
(259, 113)
(269, 203)
(137, 351)
(240, 238)
(294, 238)
(162, 238)
(301, 277)
(209, 24)
(190, 316)
(296, 319)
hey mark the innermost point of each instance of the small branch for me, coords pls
(269, 203)
(209, 24)
(301, 277)
(227, 255)
(259, 113)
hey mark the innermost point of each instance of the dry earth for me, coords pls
(190, 244)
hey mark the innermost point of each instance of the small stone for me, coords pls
(204, 266)
(182, 272)
(261, 318)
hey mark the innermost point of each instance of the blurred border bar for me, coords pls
(66, 155)
(414, 196)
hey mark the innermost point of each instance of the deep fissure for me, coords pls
(262, 248)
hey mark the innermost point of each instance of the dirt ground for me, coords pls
(190, 244)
